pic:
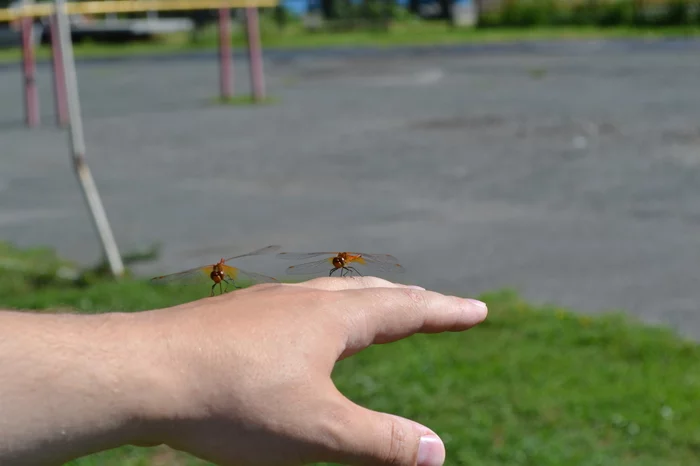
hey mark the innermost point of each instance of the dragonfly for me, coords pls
(340, 261)
(219, 273)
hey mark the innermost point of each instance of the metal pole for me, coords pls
(31, 94)
(59, 78)
(257, 75)
(77, 142)
(225, 55)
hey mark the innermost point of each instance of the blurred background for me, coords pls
(541, 155)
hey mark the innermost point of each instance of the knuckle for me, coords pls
(371, 282)
(333, 426)
(322, 302)
(395, 453)
(336, 432)
(415, 298)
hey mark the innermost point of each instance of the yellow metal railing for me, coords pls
(128, 6)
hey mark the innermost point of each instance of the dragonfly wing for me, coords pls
(380, 262)
(265, 250)
(312, 268)
(238, 275)
(304, 255)
(192, 276)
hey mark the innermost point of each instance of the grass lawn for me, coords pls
(403, 33)
(533, 385)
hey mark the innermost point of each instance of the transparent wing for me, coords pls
(304, 255)
(196, 275)
(201, 274)
(381, 262)
(378, 262)
(312, 268)
(265, 250)
(238, 275)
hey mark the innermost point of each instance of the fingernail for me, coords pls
(478, 310)
(477, 303)
(416, 287)
(431, 451)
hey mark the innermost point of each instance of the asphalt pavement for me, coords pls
(569, 172)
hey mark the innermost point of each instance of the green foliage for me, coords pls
(403, 29)
(282, 16)
(608, 13)
(530, 13)
(22, 270)
(676, 12)
(534, 385)
(349, 15)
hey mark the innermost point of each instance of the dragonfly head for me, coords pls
(339, 261)
(218, 265)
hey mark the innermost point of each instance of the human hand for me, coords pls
(249, 372)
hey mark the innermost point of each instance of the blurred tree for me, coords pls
(200, 19)
(446, 10)
(281, 15)
(329, 9)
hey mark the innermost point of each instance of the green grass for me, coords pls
(404, 33)
(533, 385)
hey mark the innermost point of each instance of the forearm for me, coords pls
(71, 385)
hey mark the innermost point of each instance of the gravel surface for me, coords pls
(568, 172)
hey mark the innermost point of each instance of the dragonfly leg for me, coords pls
(212, 289)
(355, 270)
(333, 270)
(231, 282)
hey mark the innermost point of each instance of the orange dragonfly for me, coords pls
(340, 261)
(219, 273)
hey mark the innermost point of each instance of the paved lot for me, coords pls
(572, 175)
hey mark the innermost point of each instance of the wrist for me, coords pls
(162, 393)
(151, 382)
(90, 383)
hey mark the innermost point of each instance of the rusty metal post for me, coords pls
(59, 78)
(257, 76)
(225, 55)
(77, 142)
(31, 93)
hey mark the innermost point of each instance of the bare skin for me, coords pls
(242, 378)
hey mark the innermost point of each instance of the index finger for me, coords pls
(384, 315)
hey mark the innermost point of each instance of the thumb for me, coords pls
(371, 438)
